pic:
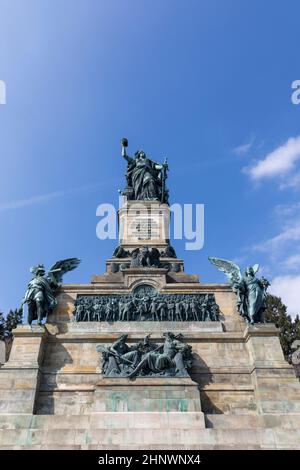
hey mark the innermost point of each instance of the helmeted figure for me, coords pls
(40, 294)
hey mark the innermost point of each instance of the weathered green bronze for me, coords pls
(171, 358)
(146, 305)
(251, 292)
(40, 294)
(146, 179)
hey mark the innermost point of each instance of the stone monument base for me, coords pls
(147, 394)
(147, 431)
(242, 394)
(224, 384)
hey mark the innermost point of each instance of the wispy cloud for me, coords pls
(284, 211)
(292, 263)
(293, 181)
(288, 218)
(42, 198)
(288, 234)
(277, 163)
(243, 149)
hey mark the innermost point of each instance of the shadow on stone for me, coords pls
(200, 373)
(56, 357)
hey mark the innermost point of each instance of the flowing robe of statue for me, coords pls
(143, 175)
(157, 362)
(39, 293)
(255, 297)
(171, 357)
(144, 180)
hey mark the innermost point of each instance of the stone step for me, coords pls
(141, 438)
(153, 420)
(106, 420)
(248, 421)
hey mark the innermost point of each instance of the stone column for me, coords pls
(20, 376)
(275, 384)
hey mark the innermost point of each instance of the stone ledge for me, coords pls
(13, 365)
(194, 288)
(200, 337)
(136, 327)
(272, 365)
(145, 271)
(70, 369)
(149, 381)
(215, 387)
(29, 331)
(264, 329)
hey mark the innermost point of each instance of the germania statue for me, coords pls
(251, 291)
(146, 179)
(40, 294)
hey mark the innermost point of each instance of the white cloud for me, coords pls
(243, 149)
(288, 288)
(279, 162)
(281, 258)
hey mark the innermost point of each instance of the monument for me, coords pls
(146, 356)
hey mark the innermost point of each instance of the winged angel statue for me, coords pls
(251, 292)
(40, 294)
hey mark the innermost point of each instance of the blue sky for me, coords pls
(207, 83)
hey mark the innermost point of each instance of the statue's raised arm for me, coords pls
(124, 144)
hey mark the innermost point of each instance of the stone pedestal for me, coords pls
(242, 395)
(144, 223)
(20, 376)
(147, 394)
(276, 390)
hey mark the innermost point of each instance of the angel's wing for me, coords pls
(231, 270)
(63, 266)
(255, 268)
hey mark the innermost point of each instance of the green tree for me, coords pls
(2, 326)
(13, 318)
(289, 329)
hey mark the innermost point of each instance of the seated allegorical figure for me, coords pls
(170, 359)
